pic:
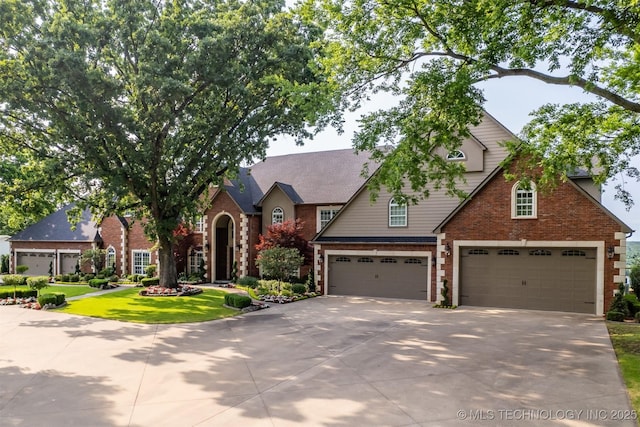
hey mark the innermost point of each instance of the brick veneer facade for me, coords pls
(566, 214)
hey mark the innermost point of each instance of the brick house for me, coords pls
(503, 246)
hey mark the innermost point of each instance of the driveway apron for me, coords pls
(328, 361)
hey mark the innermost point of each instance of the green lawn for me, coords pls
(626, 342)
(69, 291)
(128, 306)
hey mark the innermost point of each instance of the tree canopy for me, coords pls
(142, 105)
(433, 54)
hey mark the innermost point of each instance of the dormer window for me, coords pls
(277, 216)
(524, 200)
(456, 155)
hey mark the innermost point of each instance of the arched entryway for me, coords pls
(223, 244)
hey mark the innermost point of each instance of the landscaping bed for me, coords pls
(161, 291)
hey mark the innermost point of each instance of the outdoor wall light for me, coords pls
(447, 249)
(433, 261)
(611, 252)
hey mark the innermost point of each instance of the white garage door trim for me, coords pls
(598, 245)
(374, 252)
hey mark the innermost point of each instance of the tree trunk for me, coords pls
(167, 268)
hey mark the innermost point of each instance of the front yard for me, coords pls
(126, 305)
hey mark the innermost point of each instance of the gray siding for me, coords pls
(274, 199)
(362, 218)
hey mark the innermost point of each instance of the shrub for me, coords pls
(58, 277)
(45, 299)
(150, 281)
(65, 277)
(14, 280)
(114, 278)
(21, 269)
(98, 283)
(4, 264)
(249, 282)
(74, 278)
(38, 282)
(60, 297)
(616, 316)
(633, 305)
(298, 288)
(618, 304)
(151, 270)
(89, 276)
(637, 317)
(237, 300)
(134, 278)
(19, 293)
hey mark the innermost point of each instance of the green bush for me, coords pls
(237, 300)
(14, 280)
(150, 281)
(74, 278)
(134, 278)
(58, 278)
(45, 299)
(248, 281)
(65, 278)
(38, 282)
(637, 317)
(60, 297)
(633, 305)
(4, 264)
(298, 288)
(21, 269)
(616, 316)
(20, 293)
(89, 276)
(114, 278)
(97, 283)
(151, 270)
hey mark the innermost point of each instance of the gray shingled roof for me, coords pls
(56, 228)
(326, 177)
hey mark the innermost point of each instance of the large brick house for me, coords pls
(505, 245)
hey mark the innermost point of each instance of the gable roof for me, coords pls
(325, 177)
(576, 175)
(56, 228)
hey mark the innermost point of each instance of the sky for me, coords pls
(510, 101)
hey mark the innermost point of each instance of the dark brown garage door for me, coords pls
(559, 279)
(38, 262)
(385, 277)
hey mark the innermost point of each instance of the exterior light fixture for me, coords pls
(447, 249)
(433, 261)
(611, 252)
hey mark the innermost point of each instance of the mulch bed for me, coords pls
(161, 291)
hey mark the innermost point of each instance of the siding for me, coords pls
(276, 199)
(362, 218)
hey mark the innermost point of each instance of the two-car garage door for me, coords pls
(379, 276)
(560, 279)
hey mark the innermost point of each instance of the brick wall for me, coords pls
(564, 214)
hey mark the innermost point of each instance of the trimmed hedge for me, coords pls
(97, 283)
(248, 281)
(19, 293)
(150, 281)
(298, 288)
(45, 299)
(237, 300)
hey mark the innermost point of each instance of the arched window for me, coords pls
(277, 216)
(111, 258)
(397, 214)
(524, 200)
(456, 155)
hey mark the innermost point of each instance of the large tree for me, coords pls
(433, 54)
(142, 105)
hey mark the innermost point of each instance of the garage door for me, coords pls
(385, 277)
(560, 279)
(38, 262)
(68, 263)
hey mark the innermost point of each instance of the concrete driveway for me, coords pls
(329, 361)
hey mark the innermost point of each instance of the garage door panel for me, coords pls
(38, 262)
(559, 279)
(383, 277)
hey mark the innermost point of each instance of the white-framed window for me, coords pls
(199, 225)
(277, 215)
(141, 260)
(524, 200)
(325, 214)
(110, 259)
(456, 155)
(397, 214)
(195, 257)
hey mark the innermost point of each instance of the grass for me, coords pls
(626, 343)
(128, 306)
(69, 291)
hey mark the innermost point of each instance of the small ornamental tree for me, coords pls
(37, 283)
(280, 263)
(21, 269)
(634, 276)
(288, 234)
(95, 256)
